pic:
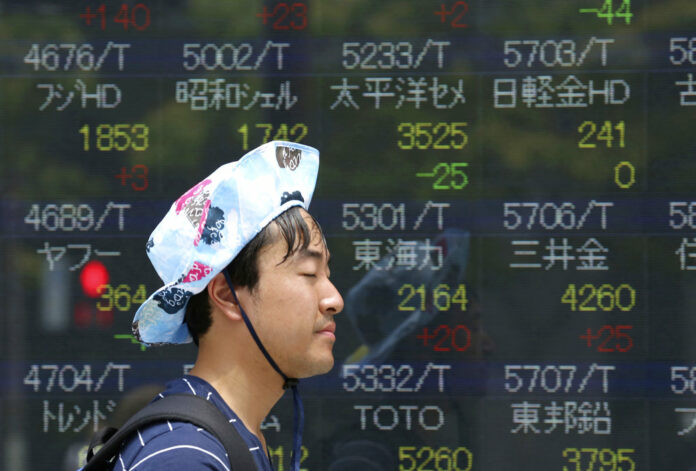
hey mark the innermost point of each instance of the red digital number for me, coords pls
(287, 16)
(459, 9)
(138, 16)
(611, 338)
(446, 338)
(139, 175)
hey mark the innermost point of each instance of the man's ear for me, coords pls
(221, 298)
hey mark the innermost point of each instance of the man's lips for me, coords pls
(329, 330)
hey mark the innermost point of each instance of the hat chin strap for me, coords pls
(298, 419)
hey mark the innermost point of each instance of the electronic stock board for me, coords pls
(506, 187)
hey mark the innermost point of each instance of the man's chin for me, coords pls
(320, 367)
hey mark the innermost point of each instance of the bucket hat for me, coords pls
(207, 227)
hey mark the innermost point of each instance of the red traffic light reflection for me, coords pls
(93, 275)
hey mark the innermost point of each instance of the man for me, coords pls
(247, 278)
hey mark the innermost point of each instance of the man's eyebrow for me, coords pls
(311, 253)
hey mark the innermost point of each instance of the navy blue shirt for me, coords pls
(175, 445)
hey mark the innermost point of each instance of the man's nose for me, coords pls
(331, 301)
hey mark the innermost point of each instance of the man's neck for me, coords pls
(250, 390)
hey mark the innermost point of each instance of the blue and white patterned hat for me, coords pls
(210, 224)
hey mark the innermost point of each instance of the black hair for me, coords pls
(244, 270)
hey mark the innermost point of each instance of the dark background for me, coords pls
(514, 316)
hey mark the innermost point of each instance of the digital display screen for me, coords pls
(506, 187)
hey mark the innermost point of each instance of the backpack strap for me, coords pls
(181, 407)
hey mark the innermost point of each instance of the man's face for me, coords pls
(293, 304)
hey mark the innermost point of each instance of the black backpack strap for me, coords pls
(181, 407)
